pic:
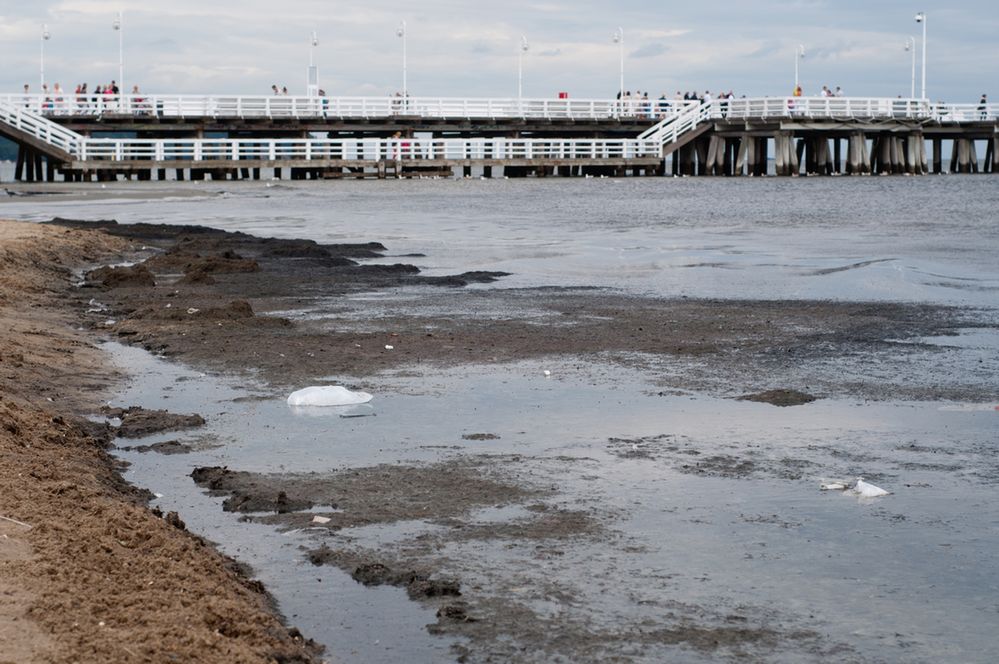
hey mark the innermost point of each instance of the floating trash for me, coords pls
(329, 395)
(867, 490)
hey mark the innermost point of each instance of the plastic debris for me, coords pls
(867, 490)
(387, 347)
(193, 311)
(321, 519)
(15, 521)
(833, 485)
(329, 395)
(547, 373)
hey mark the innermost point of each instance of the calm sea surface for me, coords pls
(929, 239)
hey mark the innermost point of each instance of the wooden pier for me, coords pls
(315, 138)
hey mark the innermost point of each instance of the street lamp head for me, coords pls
(619, 35)
(116, 24)
(315, 39)
(523, 44)
(401, 30)
(920, 17)
(45, 33)
(801, 51)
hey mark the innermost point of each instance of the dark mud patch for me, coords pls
(693, 457)
(480, 436)
(136, 276)
(503, 630)
(550, 524)
(736, 345)
(364, 496)
(139, 422)
(782, 398)
(168, 448)
(419, 583)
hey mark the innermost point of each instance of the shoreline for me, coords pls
(90, 570)
(221, 302)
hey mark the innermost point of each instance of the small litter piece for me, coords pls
(547, 373)
(387, 347)
(867, 490)
(827, 484)
(193, 311)
(321, 519)
(329, 395)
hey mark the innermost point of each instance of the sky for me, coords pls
(471, 49)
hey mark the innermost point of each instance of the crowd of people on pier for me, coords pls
(640, 104)
(82, 100)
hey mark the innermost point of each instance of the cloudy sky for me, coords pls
(470, 48)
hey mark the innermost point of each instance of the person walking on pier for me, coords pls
(983, 108)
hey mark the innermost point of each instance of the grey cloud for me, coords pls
(196, 47)
(649, 50)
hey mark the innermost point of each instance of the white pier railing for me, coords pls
(277, 106)
(365, 149)
(39, 127)
(852, 108)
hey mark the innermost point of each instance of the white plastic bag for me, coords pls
(327, 395)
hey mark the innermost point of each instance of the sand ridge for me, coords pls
(87, 571)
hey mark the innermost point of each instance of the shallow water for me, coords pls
(928, 239)
(910, 577)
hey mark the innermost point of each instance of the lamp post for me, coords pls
(524, 46)
(401, 33)
(312, 76)
(619, 40)
(921, 18)
(45, 37)
(910, 45)
(799, 54)
(119, 27)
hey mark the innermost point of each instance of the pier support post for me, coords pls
(787, 154)
(937, 156)
(763, 157)
(701, 146)
(20, 164)
(745, 153)
(964, 159)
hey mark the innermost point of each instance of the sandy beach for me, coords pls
(87, 571)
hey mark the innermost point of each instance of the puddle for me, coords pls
(684, 506)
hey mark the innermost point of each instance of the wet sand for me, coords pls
(238, 304)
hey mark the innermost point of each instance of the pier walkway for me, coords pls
(312, 137)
